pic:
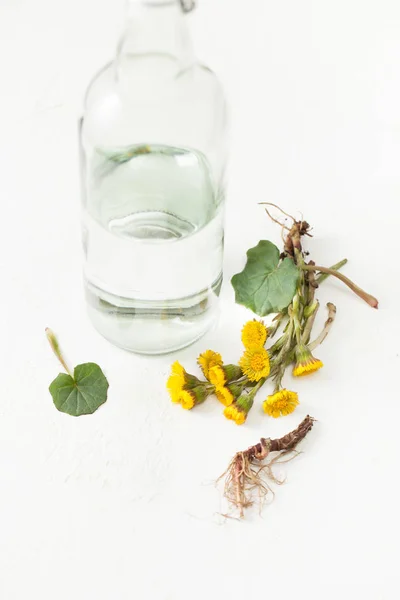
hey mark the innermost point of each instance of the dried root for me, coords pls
(246, 475)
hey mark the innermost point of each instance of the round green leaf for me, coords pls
(266, 284)
(82, 394)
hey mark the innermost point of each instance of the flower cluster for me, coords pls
(281, 284)
(289, 281)
(236, 386)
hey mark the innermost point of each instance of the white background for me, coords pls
(121, 504)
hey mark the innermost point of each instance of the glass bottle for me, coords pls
(153, 154)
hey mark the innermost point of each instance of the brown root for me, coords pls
(277, 222)
(280, 210)
(246, 476)
(292, 240)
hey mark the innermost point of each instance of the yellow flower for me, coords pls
(228, 412)
(224, 395)
(190, 398)
(239, 410)
(300, 370)
(281, 403)
(239, 417)
(255, 363)
(235, 414)
(217, 376)
(179, 380)
(254, 334)
(305, 362)
(176, 381)
(178, 371)
(209, 359)
(187, 399)
(222, 374)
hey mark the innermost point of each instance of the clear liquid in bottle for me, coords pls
(153, 242)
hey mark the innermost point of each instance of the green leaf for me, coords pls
(81, 394)
(266, 284)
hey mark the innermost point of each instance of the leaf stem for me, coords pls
(335, 267)
(57, 351)
(371, 300)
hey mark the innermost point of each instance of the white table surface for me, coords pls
(121, 504)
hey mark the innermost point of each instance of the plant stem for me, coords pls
(357, 290)
(57, 351)
(305, 338)
(335, 267)
(275, 325)
(310, 286)
(277, 346)
(258, 386)
(252, 387)
(296, 318)
(279, 376)
(328, 324)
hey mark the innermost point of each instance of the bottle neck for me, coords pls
(156, 27)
